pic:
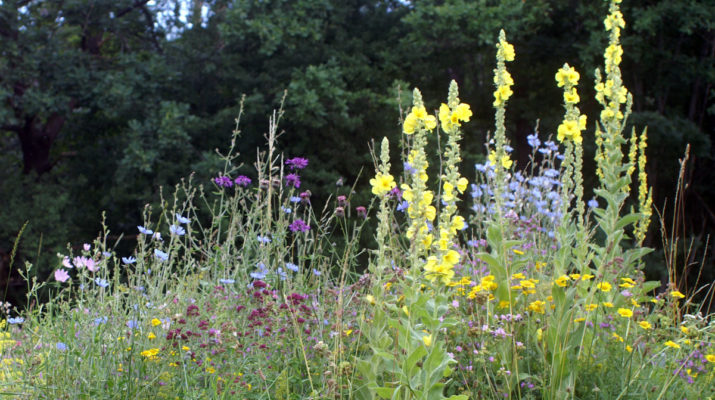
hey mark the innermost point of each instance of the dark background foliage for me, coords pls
(102, 102)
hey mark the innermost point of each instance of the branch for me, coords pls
(129, 9)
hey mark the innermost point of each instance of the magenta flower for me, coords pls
(292, 180)
(297, 163)
(61, 275)
(223, 181)
(242, 180)
(361, 212)
(299, 226)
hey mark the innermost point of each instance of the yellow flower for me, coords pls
(501, 95)
(507, 50)
(672, 344)
(604, 286)
(430, 122)
(458, 223)
(562, 281)
(571, 96)
(710, 358)
(151, 336)
(382, 184)
(677, 294)
(645, 325)
(566, 75)
(451, 257)
(463, 112)
(347, 332)
(462, 184)
(684, 329)
(537, 306)
(607, 304)
(518, 275)
(150, 354)
(625, 312)
(587, 277)
(370, 299)
(405, 310)
(427, 339)
(155, 322)
(629, 348)
(591, 307)
(569, 129)
(410, 124)
(506, 162)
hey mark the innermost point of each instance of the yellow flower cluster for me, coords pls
(449, 118)
(645, 195)
(418, 119)
(502, 78)
(570, 129)
(486, 284)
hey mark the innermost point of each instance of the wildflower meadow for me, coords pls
(511, 286)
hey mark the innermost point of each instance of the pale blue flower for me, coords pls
(281, 273)
(177, 230)
(161, 255)
(17, 320)
(261, 273)
(132, 324)
(181, 219)
(593, 203)
(295, 199)
(227, 281)
(263, 239)
(61, 346)
(316, 272)
(286, 210)
(129, 260)
(144, 230)
(101, 282)
(292, 267)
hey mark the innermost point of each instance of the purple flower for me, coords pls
(299, 226)
(593, 203)
(223, 181)
(361, 212)
(61, 346)
(297, 163)
(242, 180)
(292, 180)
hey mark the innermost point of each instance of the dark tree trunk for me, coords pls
(36, 140)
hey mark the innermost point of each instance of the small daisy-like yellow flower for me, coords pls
(591, 307)
(151, 336)
(562, 281)
(607, 304)
(604, 286)
(710, 358)
(672, 344)
(579, 319)
(347, 332)
(155, 322)
(684, 329)
(370, 299)
(645, 325)
(677, 294)
(629, 348)
(625, 312)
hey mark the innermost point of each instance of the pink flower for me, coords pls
(91, 265)
(87, 247)
(61, 275)
(66, 262)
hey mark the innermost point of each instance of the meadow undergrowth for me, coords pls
(239, 289)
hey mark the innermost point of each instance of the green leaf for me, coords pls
(385, 392)
(411, 362)
(628, 220)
